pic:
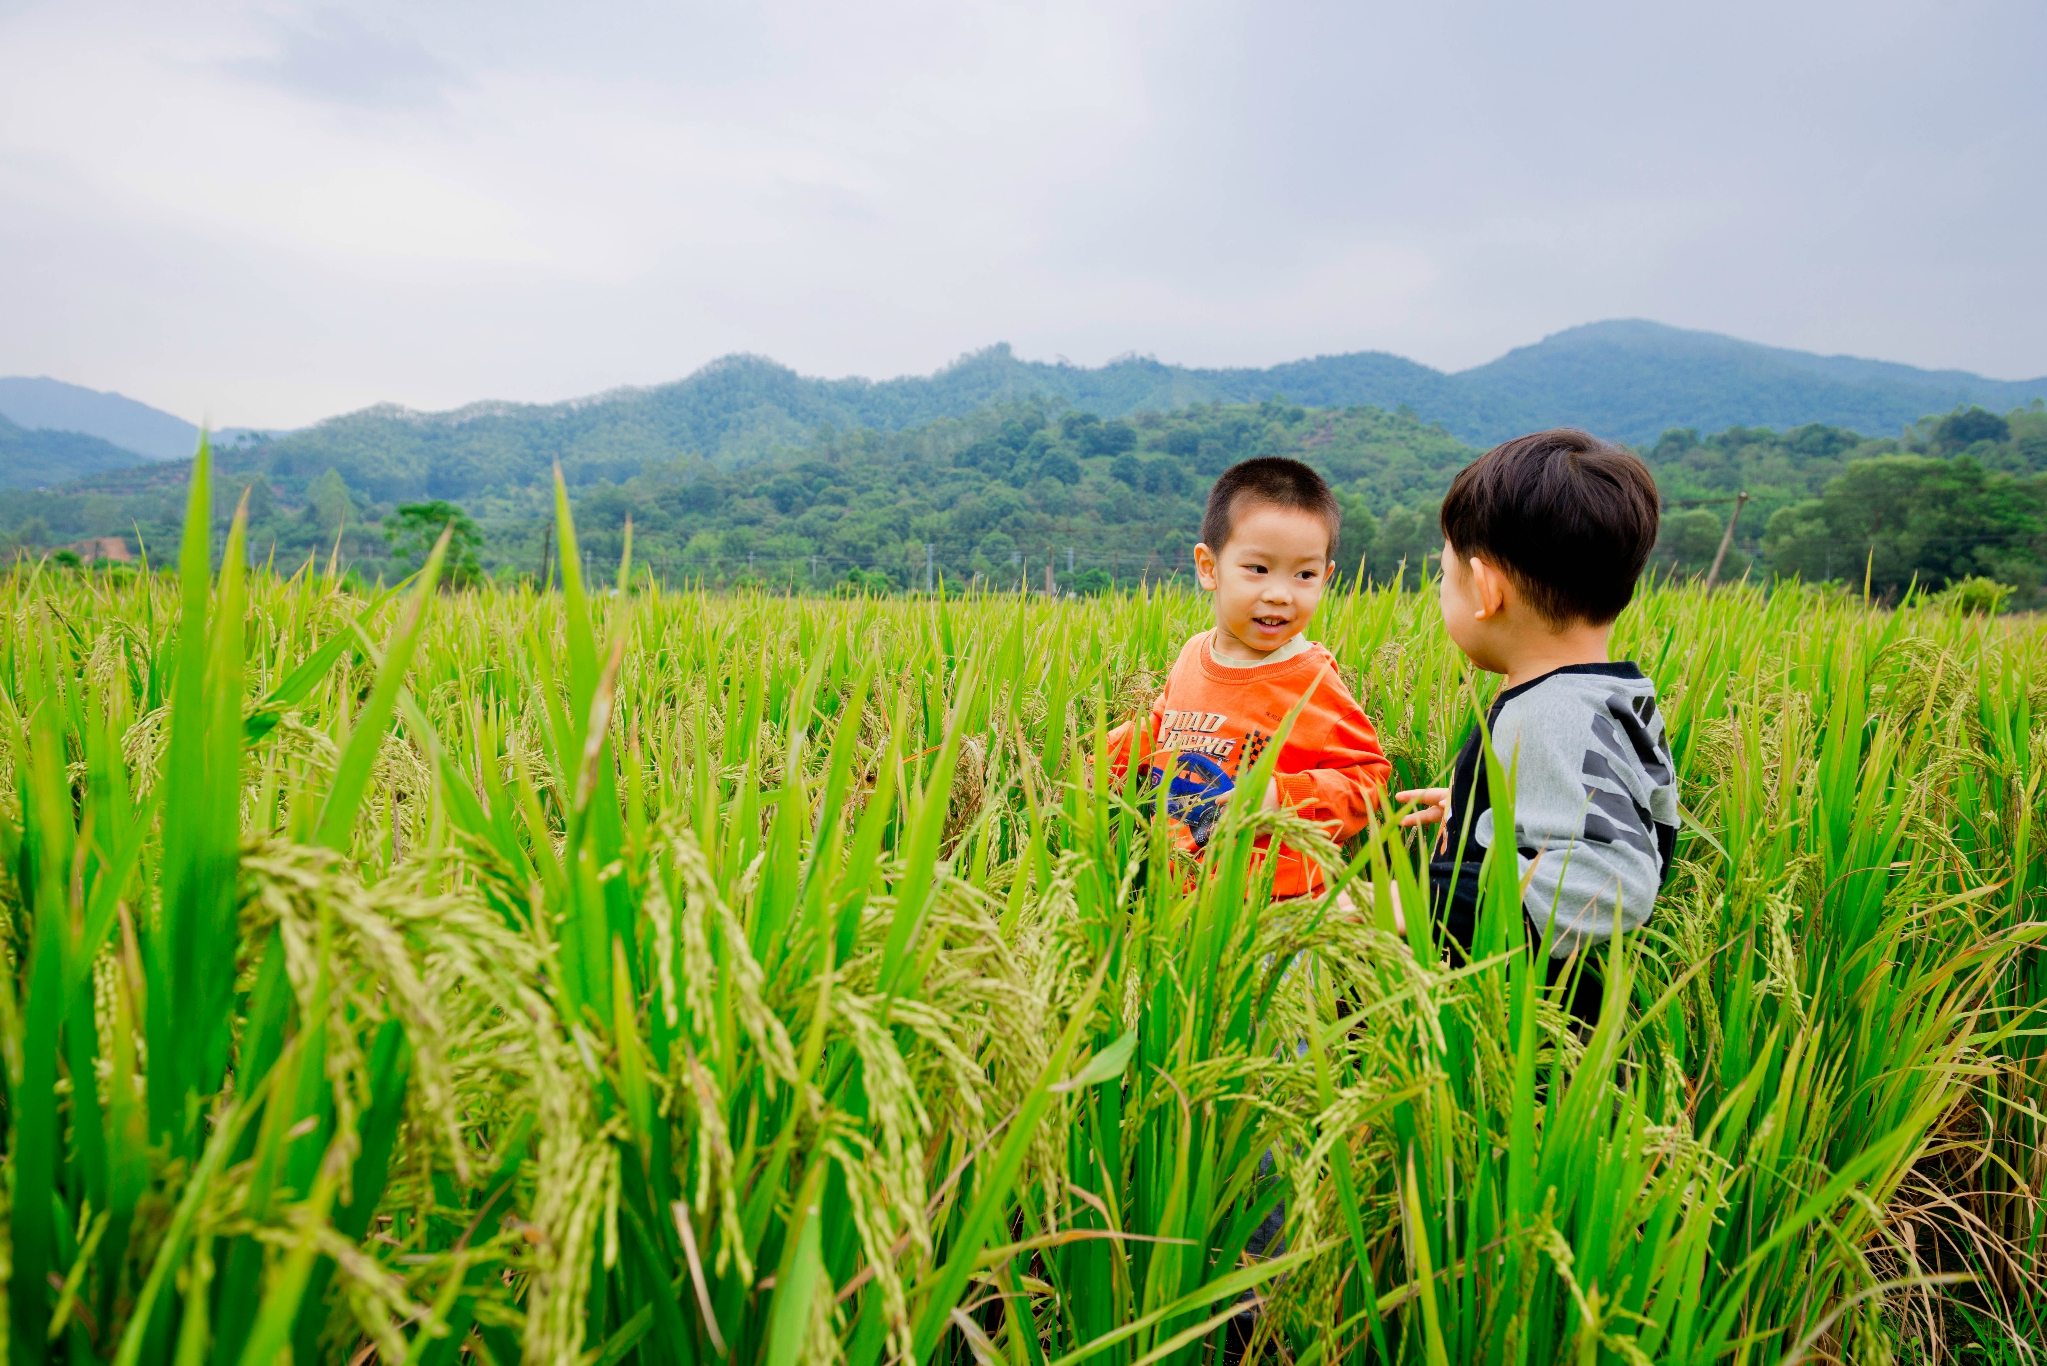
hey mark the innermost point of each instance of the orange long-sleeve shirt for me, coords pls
(1219, 720)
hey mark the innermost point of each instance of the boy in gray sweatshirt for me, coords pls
(1543, 540)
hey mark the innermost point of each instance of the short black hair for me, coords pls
(1272, 479)
(1569, 517)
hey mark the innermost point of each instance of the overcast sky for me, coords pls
(266, 214)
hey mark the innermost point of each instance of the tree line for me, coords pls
(1022, 494)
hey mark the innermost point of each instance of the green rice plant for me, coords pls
(208, 1037)
(663, 976)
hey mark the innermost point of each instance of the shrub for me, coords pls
(1975, 596)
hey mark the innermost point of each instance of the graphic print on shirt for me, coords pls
(1194, 732)
(1201, 783)
(1199, 789)
(1631, 743)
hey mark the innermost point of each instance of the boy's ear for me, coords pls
(1205, 565)
(1488, 586)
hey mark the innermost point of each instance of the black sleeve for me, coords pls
(1453, 902)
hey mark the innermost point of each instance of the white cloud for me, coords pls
(275, 213)
(334, 55)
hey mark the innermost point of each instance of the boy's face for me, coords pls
(1268, 578)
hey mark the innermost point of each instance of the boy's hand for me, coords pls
(1269, 802)
(1435, 810)
(1349, 908)
(1435, 805)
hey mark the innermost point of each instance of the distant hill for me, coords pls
(986, 493)
(1631, 380)
(1016, 485)
(54, 405)
(741, 409)
(1636, 380)
(33, 459)
(51, 408)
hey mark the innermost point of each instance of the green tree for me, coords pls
(256, 488)
(2028, 441)
(864, 582)
(1107, 438)
(1687, 542)
(1964, 427)
(413, 528)
(1410, 537)
(1903, 518)
(328, 507)
(1059, 465)
(1360, 530)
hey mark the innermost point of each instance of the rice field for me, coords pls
(675, 978)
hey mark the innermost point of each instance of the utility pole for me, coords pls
(1726, 539)
(927, 566)
(1050, 591)
(1069, 562)
(546, 552)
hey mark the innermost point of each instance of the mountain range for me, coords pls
(1627, 379)
(31, 459)
(51, 431)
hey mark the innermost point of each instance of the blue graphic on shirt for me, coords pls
(1196, 796)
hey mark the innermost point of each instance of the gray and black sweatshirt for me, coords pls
(1595, 806)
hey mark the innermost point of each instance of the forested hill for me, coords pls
(744, 409)
(1016, 488)
(31, 458)
(1632, 381)
(140, 432)
(1627, 380)
(992, 494)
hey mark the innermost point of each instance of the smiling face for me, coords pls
(1268, 578)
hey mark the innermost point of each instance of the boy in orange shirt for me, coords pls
(1265, 554)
